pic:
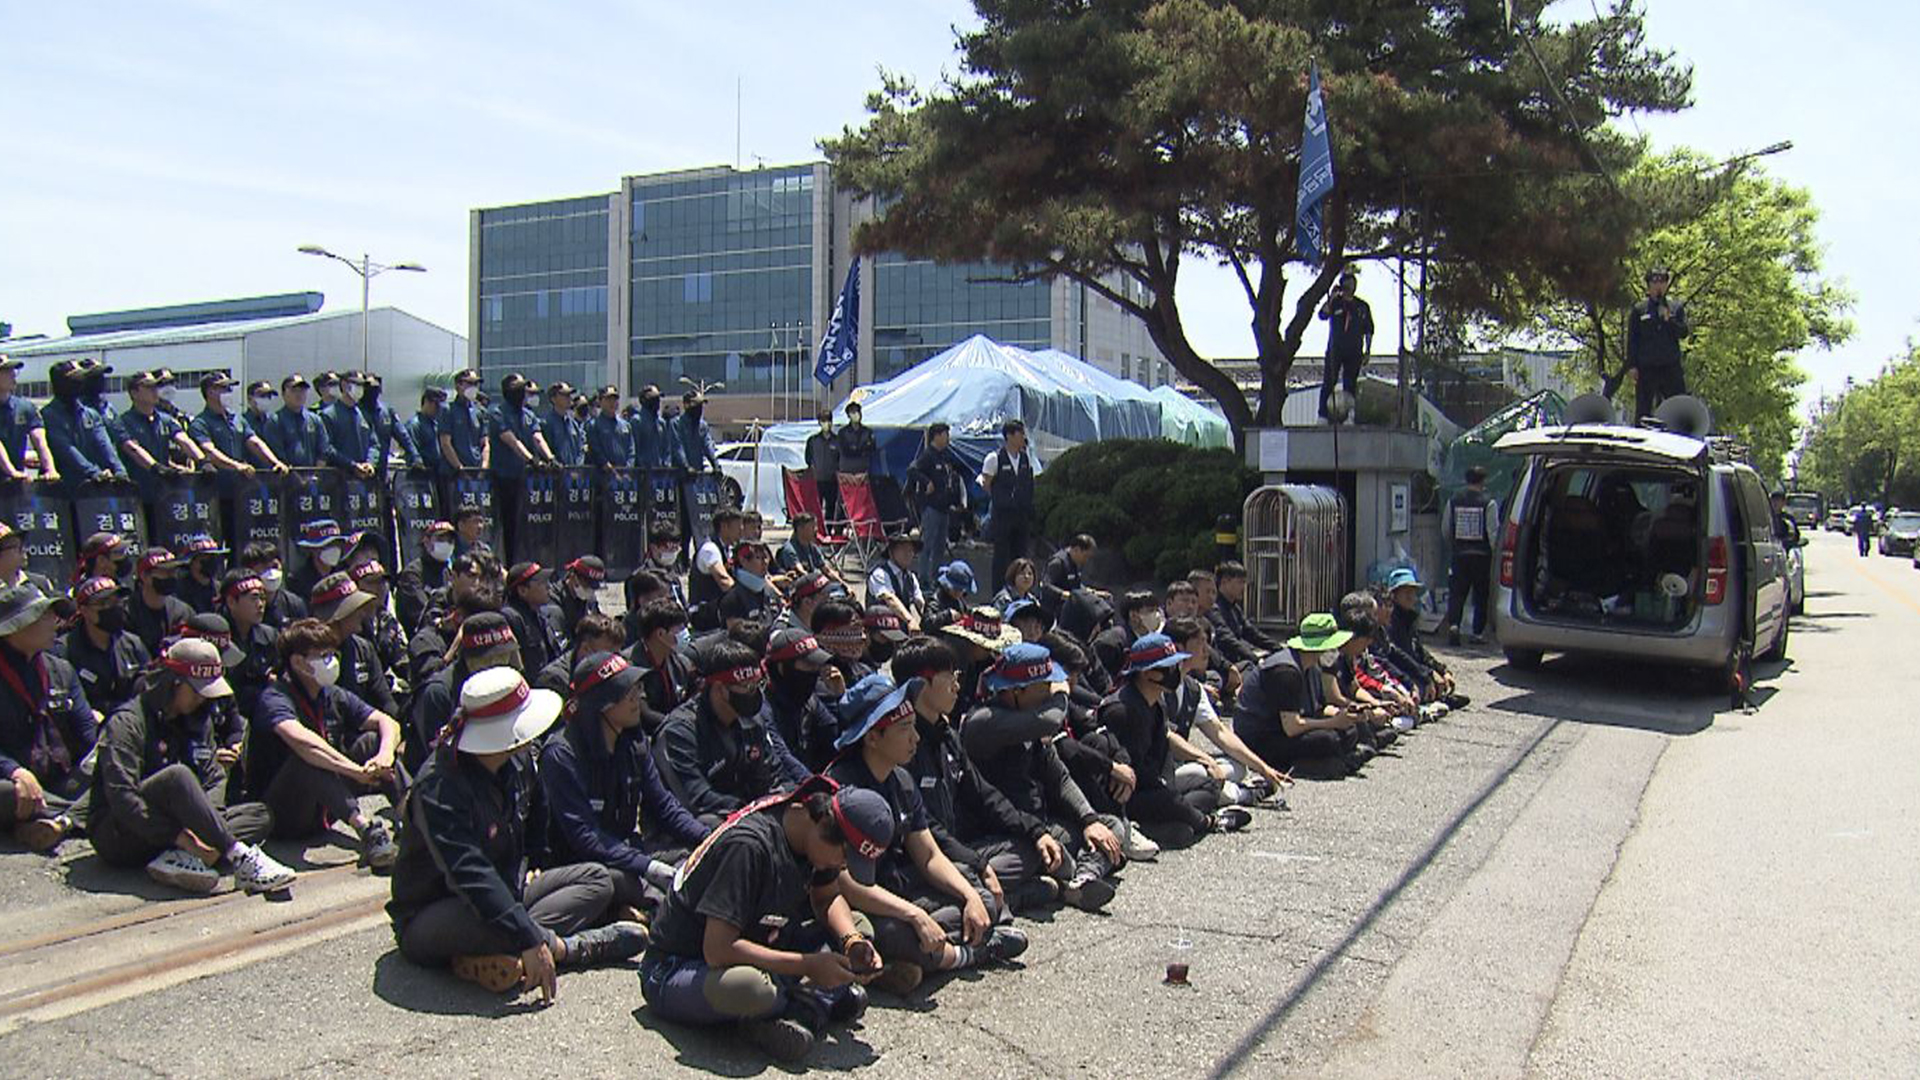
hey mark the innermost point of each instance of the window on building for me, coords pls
(1126, 366)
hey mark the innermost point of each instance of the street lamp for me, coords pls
(368, 270)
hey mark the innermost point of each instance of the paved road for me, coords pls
(1552, 881)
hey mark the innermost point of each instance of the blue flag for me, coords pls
(1316, 177)
(840, 345)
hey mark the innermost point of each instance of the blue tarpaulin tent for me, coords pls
(1185, 420)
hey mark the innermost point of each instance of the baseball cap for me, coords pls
(201, 544)
(105, 543)
(198, 662)
(214, 628)
(1023, 665)
(8, 363)
(320, 533)
(261, 388)
(94, 588)
(958, 576)
(606, 675)
(216, 380)
(797, 645)
(883, 622)
(337, 597)
(523, 573)
(327, 378)
(156, 558)
(868, 823)
(561, 387)
(295, 380)
(1403, 576)
(434, 393)
(589, 568)
(142, 378)
(608, 392)
(465, 378)
(485, 632)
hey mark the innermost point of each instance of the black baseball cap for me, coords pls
(867, 822)
(261, 387)
(215, 380)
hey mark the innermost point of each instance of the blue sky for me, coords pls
(161, 153)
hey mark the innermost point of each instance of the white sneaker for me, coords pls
(179, 870)
(257, 872)
(1404, 722)
(1138, 846)
(377, 846)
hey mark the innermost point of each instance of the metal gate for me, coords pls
(1295, 538)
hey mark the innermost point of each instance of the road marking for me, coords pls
(1284, 857)
(1890, 590)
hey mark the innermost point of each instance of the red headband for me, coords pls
(1025, 673)
(738, 675)
(614, 665)
(794, 650)
(508, 703)
(192, 670)
(883, 620)
(487, 639)
(861, 842)
(243, 586)
(983, 626)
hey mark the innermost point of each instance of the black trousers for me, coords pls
(1320, 745)
(896, 938)
(305, 797)
(1344, 372)
(1173, 819)
(1470, 574)
(1653, 385)
(1012, 539)
(175, 801)
(561, 901)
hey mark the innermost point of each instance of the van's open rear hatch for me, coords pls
(1615, 543)
(1607, 442)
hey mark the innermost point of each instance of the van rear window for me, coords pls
(1616, 545)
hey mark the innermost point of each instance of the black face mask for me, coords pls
(745, 702)
(516, 398)
(122, 567)
(1168, 677)
(208, 569)
(651, 404)
(165, 586)
(113, 619)
(695, 410)
(797, 685)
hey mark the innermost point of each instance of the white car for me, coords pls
(742, 462)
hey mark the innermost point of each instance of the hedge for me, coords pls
(1153, 502)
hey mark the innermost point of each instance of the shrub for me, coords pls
(1152, 502)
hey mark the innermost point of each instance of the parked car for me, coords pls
(1642, 545)
(1901, 532)
(1838, 520)
(740, 462)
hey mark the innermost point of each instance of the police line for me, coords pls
(566, 511)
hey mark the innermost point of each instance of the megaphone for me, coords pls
(1590, 409)
(1685, 415)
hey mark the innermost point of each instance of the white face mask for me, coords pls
(166, 394)
(350, 394)
(224, 399)
(329, 394)
(272, 579)
(262, 402)
(326, 672)
(440, 550)
(470, 393)
(328, 557)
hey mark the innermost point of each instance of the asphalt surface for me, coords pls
(1590, 871)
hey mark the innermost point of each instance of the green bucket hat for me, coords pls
(1319, 633)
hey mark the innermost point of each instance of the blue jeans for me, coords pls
(933, 531)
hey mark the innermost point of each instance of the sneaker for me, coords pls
(1003, 943)
(1138, 846)
(898, 978)
(42, 835)
(782, 1038)
(1405, 722)
(607, 944)
(1088, 892)
(1457, 701)
(496, 974)
(255, 871)
(1231, 819)
(1476, 639)
(377, 846)
(1453, 636)
(182, 871)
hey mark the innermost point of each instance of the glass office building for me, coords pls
(540, 291)
(921, 308)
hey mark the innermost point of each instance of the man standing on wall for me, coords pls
(1349, 341)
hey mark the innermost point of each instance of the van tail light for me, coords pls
(1716, 570)
(1509, 540)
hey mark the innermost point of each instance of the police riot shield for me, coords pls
(416, 505)
(41, 520)
(623, 519)
(256, 514)
(184, 505)
(306, 495)
(575, 517)
(473, 487)
(663, 498)
(700, 494)
(362, 507)
(537, 537)
(110, 508)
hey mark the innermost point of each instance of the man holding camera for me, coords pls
(1349, 341)
(1655, 328)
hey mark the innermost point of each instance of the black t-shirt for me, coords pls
(745, 874)
(896, 872)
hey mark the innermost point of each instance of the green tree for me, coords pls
(1746, 259)
(1864, 445)
(1110, 141)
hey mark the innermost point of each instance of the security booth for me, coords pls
(40, 518)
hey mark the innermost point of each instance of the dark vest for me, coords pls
(1012, 489)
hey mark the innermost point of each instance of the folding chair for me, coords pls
(866, 536)
(891, 503)
(803, 497)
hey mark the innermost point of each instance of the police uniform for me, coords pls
(298, 438)
(565, 436)
(19, 418)
(350, 434)
(609, 441)
(81, 444)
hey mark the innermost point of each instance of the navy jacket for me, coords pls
(465, 836)
(606, 806)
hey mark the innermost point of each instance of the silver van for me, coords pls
(1639, 544)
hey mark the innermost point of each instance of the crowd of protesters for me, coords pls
(771, 781)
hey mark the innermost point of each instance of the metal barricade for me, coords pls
(1295, 537)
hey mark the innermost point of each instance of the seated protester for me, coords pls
(462, 896)
(752, 633)
(47, 728)
(322, 549)
(976, 640)
(107, 555)
(383, 628)
(1136, 713)
(1083, 617)
(157, 787)
(579, 591)
(605, 801)
(105, 655)
(712, 577)
(979, 829)
(1366, 671)
(530, 613)
(314, 748)
(892, 581)
(928, 914)
(483, 641)
(752, 596)
(1140, 614)
(262, 557)
(955, 584)
(716, 751)
(757, 932)
(1238, 640)
(841, 630)
(1385, 661)
(808, 593)
(1182, 601)
(667, 676)
(344, 609)
(885, 631)
(1013, 738)
(1092, 754)
(802, 688)
(243, 599)
(205, 562)
(801, 554)
(432, 643)
(1065, 572)
(642, 588)
(593, 633)
(1244, 778)
(13, 564)
(1028, 619)
(1403, 631)
(229, 726)
(1023, 583)
(413, 587)
(156, 614)
(1343, 691)
(663, 561)
(1281, 712)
